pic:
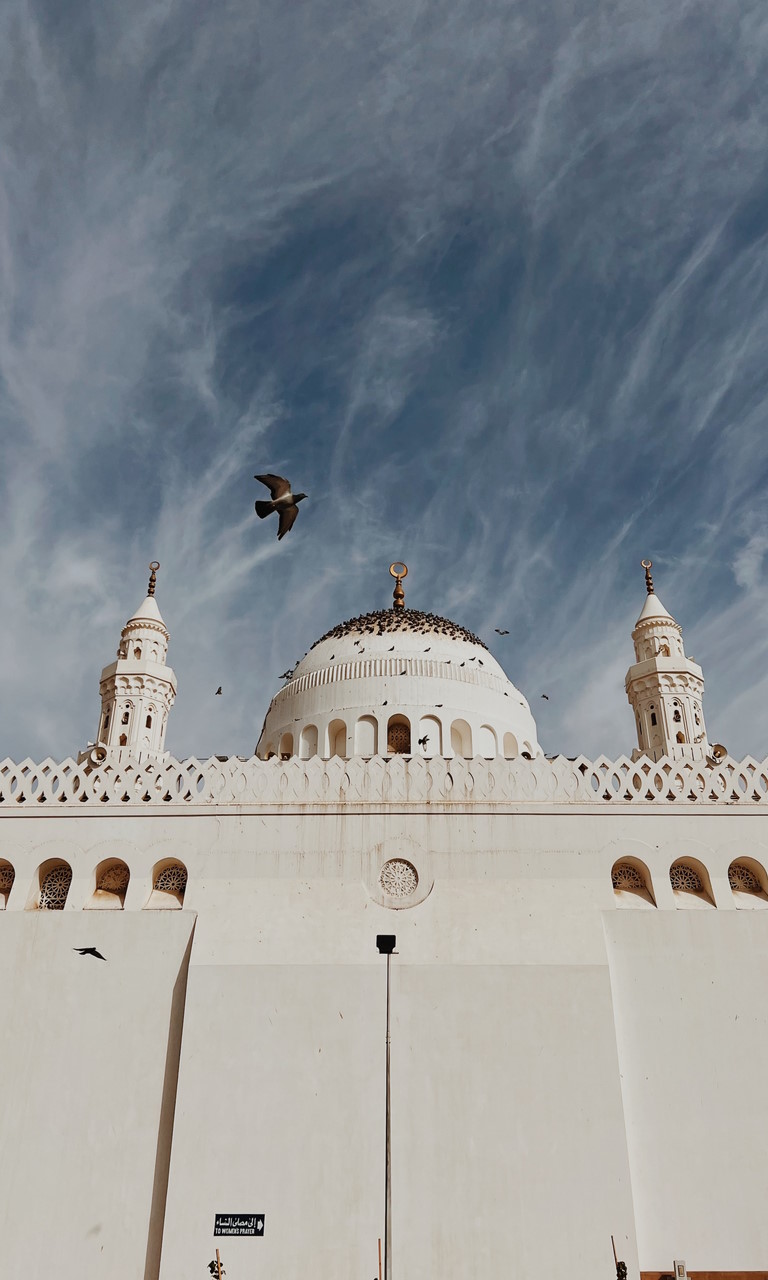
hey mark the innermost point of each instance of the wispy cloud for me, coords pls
(489, 282)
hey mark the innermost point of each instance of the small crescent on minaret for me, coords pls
(648, 565)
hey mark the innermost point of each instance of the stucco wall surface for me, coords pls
(280, 1111)
(84, 1047)
(692, 1033)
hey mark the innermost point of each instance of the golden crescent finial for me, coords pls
(648, 565)
(154, 565)
(398, 571)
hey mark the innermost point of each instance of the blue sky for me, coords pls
(489, 281)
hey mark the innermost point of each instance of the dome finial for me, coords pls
(154, 565)
(399, 571)
(648, 565)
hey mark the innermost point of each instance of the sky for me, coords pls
(487, 279)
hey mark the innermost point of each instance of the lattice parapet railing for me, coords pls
(401, 780)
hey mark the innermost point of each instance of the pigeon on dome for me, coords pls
(653, 608)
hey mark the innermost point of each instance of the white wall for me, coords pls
(84, 1057)
(689, 991)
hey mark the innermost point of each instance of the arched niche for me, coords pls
(511, 749)
(337, 739)
(487, 744)
(366, 736)
(691, 885)
(51, 886)
(286, 746)
(632, 886)
(461, 739)
(308, 742)
(169, 885)
(431, 729)
(399, 736)
(7, 877)
(112, 877)
(749, 884)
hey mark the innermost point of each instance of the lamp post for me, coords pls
(385, 943)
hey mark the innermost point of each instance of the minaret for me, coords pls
(138, 690)
(664, 687)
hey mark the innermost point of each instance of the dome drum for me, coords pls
(435, 691)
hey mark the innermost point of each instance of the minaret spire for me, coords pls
(664, 687)
(138, 689)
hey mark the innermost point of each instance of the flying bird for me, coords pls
(404, 673)
(218, 691)
(89, 951)
(286, 675)
(423, 741)
(500, 631)
(438, 704)
(283, 501)
(546, 696)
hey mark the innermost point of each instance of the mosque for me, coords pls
(400, 996)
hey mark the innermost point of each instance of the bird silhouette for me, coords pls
(89, 951)
(283, 501)
(286, 675)
(218, 691)
(545, 695)
(500, 631)
(423, 741)
(438, 704)
(405, 672)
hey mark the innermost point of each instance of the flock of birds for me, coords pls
(285, 503)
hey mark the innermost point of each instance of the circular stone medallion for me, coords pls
(398, 878)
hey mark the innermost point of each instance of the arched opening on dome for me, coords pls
(286, 746)
(690, 883)
(169, 885)
(399, 736)
(7, 877)
(461, 739)
(431, 729)
(112, 876)
(749, 884)
(366, 736)
(336, 739)
(631, 882)
(51, 886)
(487, 744)
(511, 749)
(308, 742)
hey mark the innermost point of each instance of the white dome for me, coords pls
(377, 684)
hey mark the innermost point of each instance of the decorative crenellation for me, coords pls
(399, 780)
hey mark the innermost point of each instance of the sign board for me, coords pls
(239, 1224)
